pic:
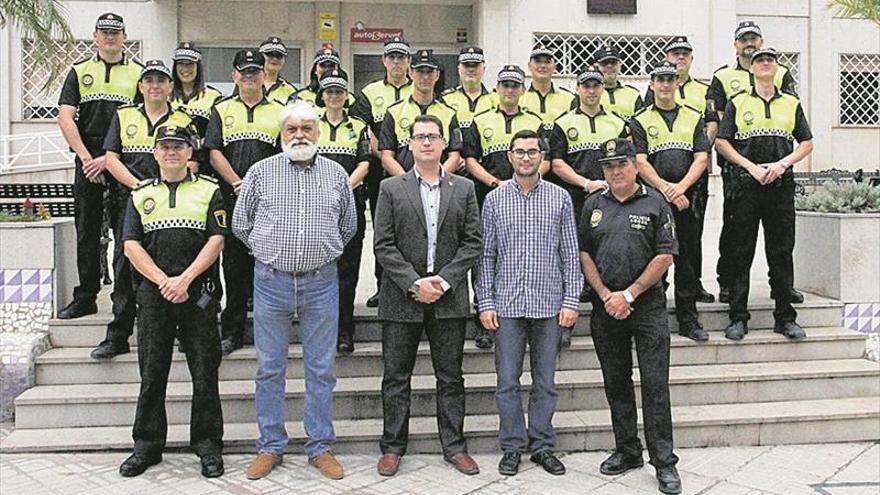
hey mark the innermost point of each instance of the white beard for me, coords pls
(302, 152)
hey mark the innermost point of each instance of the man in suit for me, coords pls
(427, 236)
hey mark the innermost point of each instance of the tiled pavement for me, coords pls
(828, 469)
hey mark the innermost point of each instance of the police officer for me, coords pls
(243, 129)
(397, 158)
(346, 140)
(128, 158)
(275, 52)
(726, 82)
(92, 91)
(326, 60)
(471, 96)
(672, 152)
(174, 232)
(627, 241)
(757, 136)
(370, 106)
(542, 97)
(622, 99)
(692, 93)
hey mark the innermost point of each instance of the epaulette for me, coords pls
(226, 98)
(633, 88)
(700, 82)
(725, 66)
(127, 105)
(566, 90)
(450, 91)
(737, 94)
(526, 111)
(212, 88)
(136, 62)
(84, 60)
(208, 178)
(638, 112)
(144, 183)
(484, 111)
(692, 108)
(621, 117)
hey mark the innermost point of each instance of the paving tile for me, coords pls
(717, 462)
(865, 467)
(727, 488)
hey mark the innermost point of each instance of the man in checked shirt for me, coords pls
(527, 299)
(295, 213)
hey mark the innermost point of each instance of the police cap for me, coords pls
(109, 22)
(747, 27)
(607, 52)
(511, 73)
(171, 132)
(678, 43)
(615, 150)
(155, 66)
(326, 54)
(336, 78)
(187, 52)
(425, 59)
(590, 73)
(542, 51)
(665, 69)
(396, 45)
(764, 52)
(471, 55)
(273, 45)
(248, 59)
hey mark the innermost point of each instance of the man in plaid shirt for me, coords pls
(529, 287)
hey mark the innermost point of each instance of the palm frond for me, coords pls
(865, 9)
(44, 22)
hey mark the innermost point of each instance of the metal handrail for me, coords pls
(34, 152)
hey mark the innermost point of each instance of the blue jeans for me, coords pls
(278, 297)
(543, 337)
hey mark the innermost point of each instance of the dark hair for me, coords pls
(525, 134)
(426, 118)
(198, 84)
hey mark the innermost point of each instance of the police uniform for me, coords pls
(763, 132)
(670, 139)
(173, 221)
(132, 136)
(95, 88)
(622, 99)
(555, 103)
(576, 139)
(726, 82)
(394, 133)
(245, 135)
(488, 138)
(458, 99)
(310, 92)
(622, 238)
(280, 90)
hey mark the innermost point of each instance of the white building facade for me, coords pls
(835, 60)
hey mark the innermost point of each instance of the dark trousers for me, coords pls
(400, 342)
(701, 202)
(374, 178)
(88, 204)
(238, 269)
(349, 265)
(121, 326)
(159, 322)
(687, 231)
(723, 267)
(773, 207)
(613, 339)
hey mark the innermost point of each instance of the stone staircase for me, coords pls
(763, 390)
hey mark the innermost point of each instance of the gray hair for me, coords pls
(300, 110)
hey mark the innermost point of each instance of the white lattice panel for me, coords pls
(860, 89)
(792, 60)
(573, 51)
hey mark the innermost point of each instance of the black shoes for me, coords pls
(791, 330)
(109, 349)
(620, 463)
(136, 464)
(703, 295)
(736, 330)
(796, 297)
(549, 462)
(484, 341)
(212, 466)
(509, 463)
(693, 331)
(724, 295)
(344, 344)
(668, 480)
(373, 301)
(77, 309)
(229, 345)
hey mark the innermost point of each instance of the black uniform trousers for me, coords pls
(723, 267)
(701, 202)
(160, 321)
(121, 326)
(773, 207)
(648, 326)
(688, 231)
(238, 269)
(400, 343)
(349, 266)
(374, 178)
(88, 204)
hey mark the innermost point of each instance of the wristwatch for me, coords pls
(627, 295)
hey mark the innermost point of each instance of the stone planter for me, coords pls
(838, 255)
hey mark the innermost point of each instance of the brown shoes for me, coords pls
(328, 465)
(262, 465)
(388, 464)
(464, 463)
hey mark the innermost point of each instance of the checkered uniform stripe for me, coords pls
(675, 45)
(671, 145)
(273, 47)
(584, 147)
(548, 126)
(156, 68)
(509, 75)
(391, 47)
(110, 24)
(174, 223)
(137, 149)
(754, 133)
(187, 54)
(495, 148)
(378, 118)
(465, 124)
(338, 82)
(247, 136)
(470, 58)
(105, 97)
(747, 29)
(590, 75)
(336, 150)
(324, 57)
(198, 112)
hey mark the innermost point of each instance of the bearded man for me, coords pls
(295, 213)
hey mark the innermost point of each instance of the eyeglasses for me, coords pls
(521, 153)
(431, 138)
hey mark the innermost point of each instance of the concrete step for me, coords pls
(62, 406)
(814, 312)
(70, 365)
(743, 424)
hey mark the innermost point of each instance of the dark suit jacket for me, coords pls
(400, 243)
